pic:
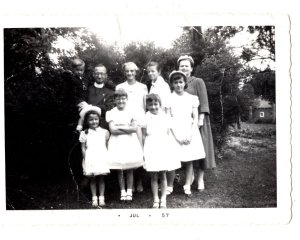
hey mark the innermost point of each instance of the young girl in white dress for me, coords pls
(136, 103)
(159, 145)
(125, 143)
(94, 152)
(184, 111)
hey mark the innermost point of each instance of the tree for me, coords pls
(220, 70)
(264, 45)
(263, 83)
(33, 84)
(246, 98)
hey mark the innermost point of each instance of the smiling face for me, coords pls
(93, 120)
(130, 73)
(178, 85)
(153, 106)
(121, 102)
(100, 75)
(185, 67)
(153, 73)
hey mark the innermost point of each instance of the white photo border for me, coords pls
(279, 215)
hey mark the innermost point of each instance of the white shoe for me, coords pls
(95, 201)
(187, 190)
(123, 195)
(193, 178)
(155, 204)
(129, 195)
(163, 203)
(201, 186)
(101, 201)
(169, 190)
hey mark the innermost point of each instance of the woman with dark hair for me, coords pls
(196, 86)
(184, 112)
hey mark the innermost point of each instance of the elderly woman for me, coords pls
(196, 86)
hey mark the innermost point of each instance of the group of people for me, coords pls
(160, 129)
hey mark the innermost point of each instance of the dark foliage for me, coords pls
(39, 130)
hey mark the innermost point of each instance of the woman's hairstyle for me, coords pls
(153, 98)
(75, 62)
(185, 57)
(130, 64)
(120, 93)
(154, 64)
(85, 121)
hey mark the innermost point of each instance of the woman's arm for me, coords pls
(202, 95)
(195, 117)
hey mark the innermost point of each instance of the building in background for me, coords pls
(262, 112)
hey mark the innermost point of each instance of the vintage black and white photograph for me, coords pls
(143, 117)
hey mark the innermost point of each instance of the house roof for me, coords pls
(263, 103)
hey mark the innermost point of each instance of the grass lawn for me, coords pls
(245, 177)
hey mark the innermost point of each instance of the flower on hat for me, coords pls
(81, 105)
(88, 108)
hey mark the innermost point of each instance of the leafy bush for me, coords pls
(263, 120)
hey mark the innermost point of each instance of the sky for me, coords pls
(244, 39)
(162, 34)
(126, 31)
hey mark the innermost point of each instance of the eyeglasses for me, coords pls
(102, 74)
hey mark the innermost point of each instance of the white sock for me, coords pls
(123, 193)
(129, 191)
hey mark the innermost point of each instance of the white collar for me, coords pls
(95, 130)
(97, 85)
(131, 85)
(158, 80)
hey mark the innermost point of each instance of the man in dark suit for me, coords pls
(99, 95)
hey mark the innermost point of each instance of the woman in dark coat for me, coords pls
(196, 86)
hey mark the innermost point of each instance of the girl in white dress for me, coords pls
(159, 145)
(125, 143)
(94, 152)
(136, 103)
(184, 111)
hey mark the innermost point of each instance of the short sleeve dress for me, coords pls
(136, 98)
(160, 144)
(181, 111)
(125, 151)
(96, 155)
(161, 87)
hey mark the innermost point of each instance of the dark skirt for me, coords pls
(207, 139)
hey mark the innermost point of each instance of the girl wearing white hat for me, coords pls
(94, 152)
